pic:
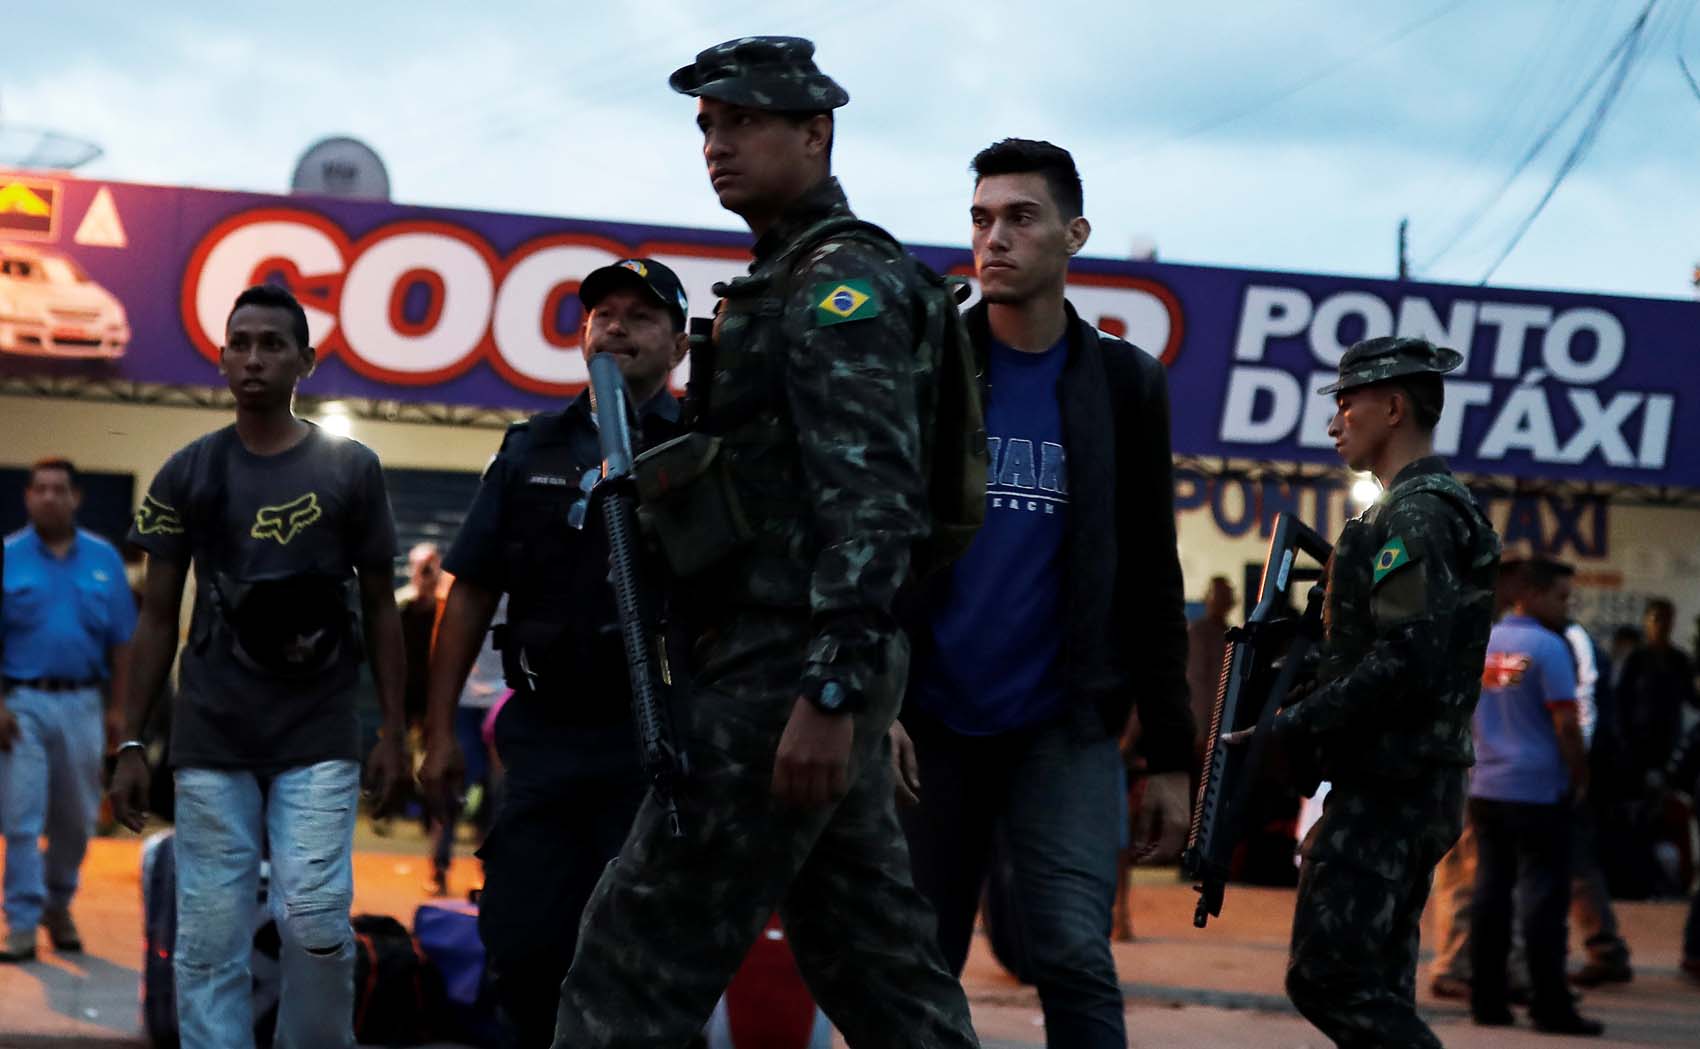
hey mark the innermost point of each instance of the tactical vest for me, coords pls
(1428, 731)
(560, 638)
(744, 405)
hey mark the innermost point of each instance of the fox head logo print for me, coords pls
(286, 521)
(155, 518)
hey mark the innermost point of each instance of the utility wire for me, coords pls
(1541, 141)
(1630, 52)
(1688, 76)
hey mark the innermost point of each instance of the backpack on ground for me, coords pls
(159, 949)
(447, 933)
(398, 994)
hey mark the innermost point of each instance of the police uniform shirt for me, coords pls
(319, 507)
(521, 500)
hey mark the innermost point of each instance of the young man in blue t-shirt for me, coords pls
(1531, 768)
(1064, 615)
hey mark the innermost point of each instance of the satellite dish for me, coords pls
(22, 146)
(340, 166)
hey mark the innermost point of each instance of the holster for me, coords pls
(531, 653)
(688, 503)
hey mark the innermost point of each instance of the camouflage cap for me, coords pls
(1380, 359)
(776, 73)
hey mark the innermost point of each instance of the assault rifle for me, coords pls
(1261, 665)
(642, 630)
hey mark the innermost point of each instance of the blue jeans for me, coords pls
(469, 733)
(225, 820)
(1055, 799)
(49, 784)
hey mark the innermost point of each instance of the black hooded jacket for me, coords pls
(1125, 643)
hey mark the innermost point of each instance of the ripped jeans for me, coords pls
(224, 818)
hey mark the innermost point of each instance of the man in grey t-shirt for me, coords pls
(278, 518)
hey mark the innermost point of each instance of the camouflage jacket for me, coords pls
(821, 381)
(1409, 607)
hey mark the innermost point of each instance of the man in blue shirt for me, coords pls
(65, 628)
(1531, 767)
(1064, 615)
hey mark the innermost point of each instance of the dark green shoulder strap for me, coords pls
(1452, 491)
(847, 227)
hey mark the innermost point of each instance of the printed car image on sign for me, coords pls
(49, 307)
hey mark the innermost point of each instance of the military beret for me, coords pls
(775, 73)
(1384, 358)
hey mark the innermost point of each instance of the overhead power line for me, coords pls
(1472, 220)
(1688, 76)
(1630, 51)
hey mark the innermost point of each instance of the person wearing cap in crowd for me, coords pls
(1410, 602)
(818, 384)
(565, 738)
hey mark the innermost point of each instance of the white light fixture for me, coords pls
(334, 419)
(1365, 490)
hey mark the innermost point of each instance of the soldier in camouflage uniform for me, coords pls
(819, 393)
(1409, 606)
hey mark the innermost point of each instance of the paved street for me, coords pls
(1217, 988)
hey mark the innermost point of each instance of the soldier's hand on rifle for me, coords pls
(812, 767)
(1159, 831)
(906, 770)
(1236, 738)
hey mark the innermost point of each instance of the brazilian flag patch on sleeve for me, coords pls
(840, 301)
(1391, 557)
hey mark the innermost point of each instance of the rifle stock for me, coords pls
(1249, 692)
(642, 633)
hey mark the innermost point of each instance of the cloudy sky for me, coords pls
(1288, 135)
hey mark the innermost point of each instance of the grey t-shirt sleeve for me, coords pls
(372, 539)
(161, 523)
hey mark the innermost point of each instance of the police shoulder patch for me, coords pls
(1391, 558)
(841, 301)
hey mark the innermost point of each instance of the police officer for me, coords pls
(1409, 606)
(565, 737)
(818, 399)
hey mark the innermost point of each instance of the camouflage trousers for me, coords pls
(1368, 865)
(672, 918)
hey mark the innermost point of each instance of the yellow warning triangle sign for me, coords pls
(101, 227)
